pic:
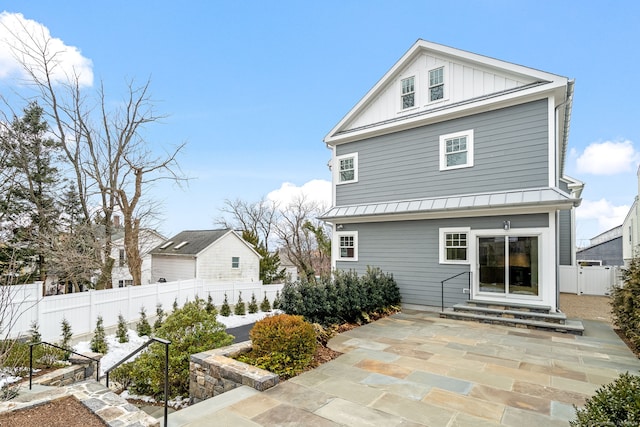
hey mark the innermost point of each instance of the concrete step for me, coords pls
(204, 410)
(515, 314)
(571, 326)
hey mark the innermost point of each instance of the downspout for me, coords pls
(565, 137)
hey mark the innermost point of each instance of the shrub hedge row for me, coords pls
(625, 303)
(344, 297)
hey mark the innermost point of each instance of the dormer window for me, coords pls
(436, 84)
(408, 93)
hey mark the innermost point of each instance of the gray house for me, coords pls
(604, 249)
(212, 255)
(452, 164)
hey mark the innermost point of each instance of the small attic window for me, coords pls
(166, 245)
(408, 93)
(436, 84)
(180, 245)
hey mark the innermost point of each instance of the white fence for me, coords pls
(588, 280)
(27, 305)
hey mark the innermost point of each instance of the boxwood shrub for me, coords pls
(614, 404)
(282, 344)
(343, 297)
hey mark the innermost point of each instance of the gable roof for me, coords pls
(192, 242)
(367, 118)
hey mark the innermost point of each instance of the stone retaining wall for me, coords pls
(214, 372)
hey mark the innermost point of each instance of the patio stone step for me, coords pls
(509, 306)
(511, 313)
(570, 326)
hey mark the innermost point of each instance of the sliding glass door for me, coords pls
(508, 265)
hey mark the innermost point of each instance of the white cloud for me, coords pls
(317, 190)
(17, 32)
(606, 214)
(608, 158)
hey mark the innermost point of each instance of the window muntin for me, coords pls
(456, 150)
(436, 84)
(408, 96)
(347, 246)
(235, 262)
(454, 245)
(347, 166)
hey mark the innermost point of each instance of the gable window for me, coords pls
(454, 245)
(347, 245)
(408, 93)
(456, 150)
(235, 262)
(347, 168)
(436, 84)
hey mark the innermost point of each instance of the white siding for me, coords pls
(214, 263)
(147, 241)
(463, 81)
(172, 268)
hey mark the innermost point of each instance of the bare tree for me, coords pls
(258, 218)
(110, 158)
(297, 234)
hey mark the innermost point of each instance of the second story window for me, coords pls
(347, 168)
(436, 84)
(122, 258)
(408, 93)
(456, 150)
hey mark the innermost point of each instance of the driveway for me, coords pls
(415, 369)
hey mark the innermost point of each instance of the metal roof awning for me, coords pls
(468, 205)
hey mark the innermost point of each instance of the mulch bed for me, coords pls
(63, 412)
(629, 344)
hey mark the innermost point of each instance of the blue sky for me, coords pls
(254, 86)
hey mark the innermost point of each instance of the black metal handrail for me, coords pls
(31, 345)
(453, 277)
(166, 369)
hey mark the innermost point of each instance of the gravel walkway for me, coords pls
(586, 307)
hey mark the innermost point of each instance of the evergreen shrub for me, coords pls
(253, 304)
(282, 344)
(143, 328)
(240, 309)
(344, 297)
(625, 303)
(225, 310)
(614, 404)
(98, 341)
(265, 305)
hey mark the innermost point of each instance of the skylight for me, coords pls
(166, 245)
(180, 245)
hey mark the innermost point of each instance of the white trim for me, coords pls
(355, 168)
(336, 245)
(443, 155)
(552, 118)
(442, 244)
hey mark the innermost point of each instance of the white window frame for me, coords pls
(443, 149)
(233, 258)
(443, 244)
(443, 84)
(414, 92)
(355, 168)
(340, 234)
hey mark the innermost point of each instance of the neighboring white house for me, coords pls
(215, 255)
(148, 239)
(630, 229)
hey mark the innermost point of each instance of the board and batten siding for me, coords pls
(409, 250)
(510, 152)
(214, 263)
(172, 268)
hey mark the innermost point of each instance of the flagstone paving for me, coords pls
(415, 369)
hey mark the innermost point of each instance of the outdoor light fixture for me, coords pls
(339, 227)
(506, 225)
